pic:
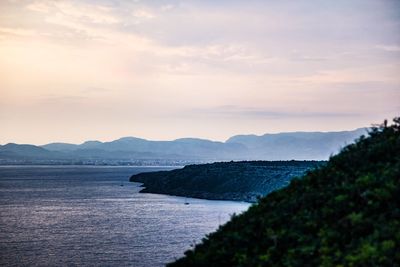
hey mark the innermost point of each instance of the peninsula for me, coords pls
(241, 181)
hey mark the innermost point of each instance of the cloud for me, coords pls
(167, 7)
(42, 7)
(76, 11)
(95, 90)
(389, 48)
(57, 99)
(231, 111)
(143, 14)
(229, 64)
(297, 56)
(20, 32)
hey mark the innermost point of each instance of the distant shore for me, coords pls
(89, 165)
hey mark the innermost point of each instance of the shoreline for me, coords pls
(192, 196)
(236, 181)
(96, 166)
(140, 185)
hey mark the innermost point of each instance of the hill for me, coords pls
(26, 152)
(132, 147)
(280, 146)
(244, 181)
(346, 213)
(132, 150)
(296, 145)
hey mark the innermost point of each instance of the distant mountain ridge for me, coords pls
(24, 151)
(280, 146)
(296, 145)
(179, 148)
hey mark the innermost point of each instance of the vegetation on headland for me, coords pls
(243, 181)
(345, 213)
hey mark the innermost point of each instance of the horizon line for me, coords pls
(171, 140)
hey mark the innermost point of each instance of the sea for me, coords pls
(93, 216)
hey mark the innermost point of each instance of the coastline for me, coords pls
(203, 196)
(189, 197)
(88, 165)
(235, 181)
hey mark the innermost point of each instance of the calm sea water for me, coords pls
(58, 216)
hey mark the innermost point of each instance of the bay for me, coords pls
(92, 216)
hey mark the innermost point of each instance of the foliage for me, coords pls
(345, 213)
(243, 180)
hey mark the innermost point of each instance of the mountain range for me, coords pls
(279, 146)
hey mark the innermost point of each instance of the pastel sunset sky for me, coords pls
(81, 70)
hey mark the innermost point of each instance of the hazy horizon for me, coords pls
(72, 71)
(182, 137)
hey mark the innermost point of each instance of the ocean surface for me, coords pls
(92, 216)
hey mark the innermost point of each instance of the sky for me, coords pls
(81, 70)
